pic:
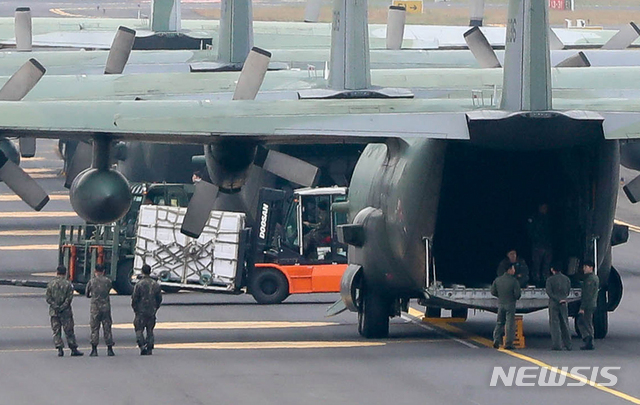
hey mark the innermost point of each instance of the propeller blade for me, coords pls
(22, 81)
(623, 38)
(577, 60)
(27, 147)
(81, 160)
(288, 167)
(555, 44)
(22, 184)
(199, 209)
(396, 20)
(23, 29)
(477, 13)
(312, 10)
(481, 49)
(120, 51)
(252, 75)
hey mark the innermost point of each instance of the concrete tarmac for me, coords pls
(227, 349)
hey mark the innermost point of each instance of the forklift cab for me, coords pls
(309, 228)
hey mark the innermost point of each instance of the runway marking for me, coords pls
(230, 325)
(65, 14)
(269, 345)
(33, 170)
(30, 247)
(34, 232)
(10, 295)
(415, 317)
(52, 197)
(48, 274)
(539, 363)
(633, 228)
(41, 214)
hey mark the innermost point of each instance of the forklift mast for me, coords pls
(270, 213)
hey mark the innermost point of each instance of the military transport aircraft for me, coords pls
(427, 163)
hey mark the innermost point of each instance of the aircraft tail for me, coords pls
(527, 68)
(349, 56)
(165, 15)
(235, 36)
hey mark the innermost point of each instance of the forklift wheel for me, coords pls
(122, 283)
(268, 286)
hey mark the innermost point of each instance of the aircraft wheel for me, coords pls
(169, 290)
(124, 276)
(373, 315)
(433, 312)
(268, 286)
(601, 317)
(460, 313)
(614, 290)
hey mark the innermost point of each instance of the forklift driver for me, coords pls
(320, 232)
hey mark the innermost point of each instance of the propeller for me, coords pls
(577, 60)
(477, 13)
(481, 48)
(312, 11)
(120, 51)
(22, 184)
(290, 168)
(395, 26)
(81, 160)
(23, 29)
(623, 38)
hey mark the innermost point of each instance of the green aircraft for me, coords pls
(440, 181)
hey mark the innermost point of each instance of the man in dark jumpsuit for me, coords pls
(522, 270)
(98, 289)
(320, 230)
(145, 301)
(539, 228)
(588, 304)
(558, 287)
(507, 289)
(59, 296)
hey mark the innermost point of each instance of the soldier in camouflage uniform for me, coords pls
(558, 287)
(145, 301)
(507, 289)
(59, 295)
(98, 289)
(588, 304)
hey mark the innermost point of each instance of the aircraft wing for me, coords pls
(622, 125)
(290, 121)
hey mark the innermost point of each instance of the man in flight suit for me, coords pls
(145, 301)
(507, 289)
(59, 295)
(98, 289)
(588, 304)
(558, 287)
(522, 270)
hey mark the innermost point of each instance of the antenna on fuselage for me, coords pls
(527, 68)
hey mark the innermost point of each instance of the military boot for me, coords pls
(588, 344)
(110, 351)
(60, 352)
(143, 351)
(94, 351)
(75, 352)
(149, 350)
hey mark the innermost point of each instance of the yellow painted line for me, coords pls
(230, 325)
(489, 343)
(32, 170)
(49, 274)
(30, 247)
(269, 345)
(52, 197)
(35, 232)
(117, 348)
(633, 228)
(41, 214)
(64, 13)
(10, 295)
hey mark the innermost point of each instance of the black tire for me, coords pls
(268, 286)
(169, 290)
(460, 313)
(124, 274)
(614, 290)
(601, 317)
(433, 312)
(80, 288)
(373, 315)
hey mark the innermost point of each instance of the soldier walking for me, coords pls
(145, 301)
(558, 287)
(588, 304)
(59, 296)
(507, 289)
(98, 289)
